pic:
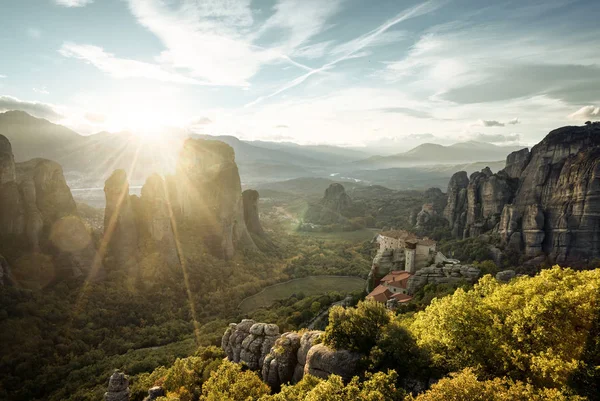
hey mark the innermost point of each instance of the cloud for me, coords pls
(514, 121)
(97, 118)
(357, 45)
(407, 111)
(487, 123)
(122, 68)
(282, 126)
(495, 138)
(216, 41)
(42, 91)
(38, 109)
(73, 3)
(586, 113)
(2, 76)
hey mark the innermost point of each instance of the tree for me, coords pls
(356, 329)
(532, 329)
(231, 383)
(464, 386)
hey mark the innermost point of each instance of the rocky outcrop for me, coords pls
(547, 200)
(120, 221)
(447, 274)
(118, 387)
(154, 393)
(516, 163)
(286, 358)
(155, 218)
(323, 361)
(208, 194)
(250, 200)
(249, 342)
(37, 211)
(5, 277)
(331, 209)
(456, 207)
(280, 364)
(506, 275)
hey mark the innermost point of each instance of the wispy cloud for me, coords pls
(41, 91)
(355, 46)
(586, 113)
(2, 76)
(120, 67)
(38, 109)
(514, 121)
(487, 123)
(73, 3)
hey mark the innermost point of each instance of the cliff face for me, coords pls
(331, 208)
(205, 194)
(37, 211)
(544, 201)
(209, 194)
(250, 199)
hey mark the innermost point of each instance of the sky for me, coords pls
(344, 72)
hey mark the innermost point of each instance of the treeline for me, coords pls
(535, 338)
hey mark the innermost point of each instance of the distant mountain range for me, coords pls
(89, 160)
(431, 153)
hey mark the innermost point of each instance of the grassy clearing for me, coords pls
(313, 285)
(354, 236)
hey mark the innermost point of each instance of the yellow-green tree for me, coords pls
(464, 386)
(231, 383)
(377, 387)
(356, 329)
(532, 329)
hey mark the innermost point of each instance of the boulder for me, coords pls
(446, 274)
(516, 162)
(322, 361)
(456, 207)
(506, 275)
(118, 388)
(279, 365)
(249, 342)
(154, 393)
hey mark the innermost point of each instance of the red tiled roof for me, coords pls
(402, 298)
(398, 284)
(396, 275)
(380, 294)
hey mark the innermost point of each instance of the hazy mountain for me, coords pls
(326, 154)
(430, 153)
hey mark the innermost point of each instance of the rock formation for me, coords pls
(5, 278)
(250, 199)
(118, 388)
(154, 393)
(280, 364)
(120, 228)
(155, 218)
(506, 275)
(286, 358)
(546, 201)
(331, 209)
(249, 342)
(447, 274)
(322, 361)
(456, 208)
(208, 193)
(38, 211)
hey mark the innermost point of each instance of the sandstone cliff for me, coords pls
(546, 201)
(331, 209)
(250, 199)
(39, 216)
(208, 194)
